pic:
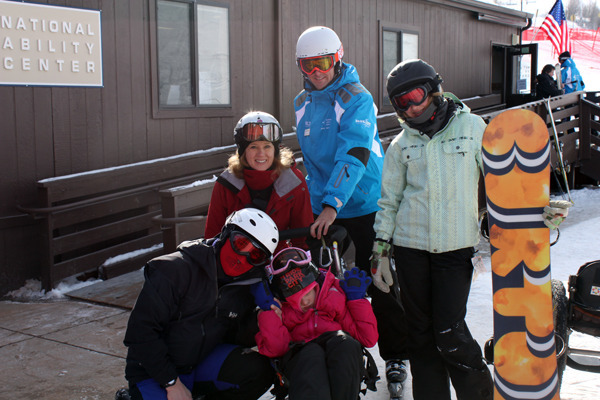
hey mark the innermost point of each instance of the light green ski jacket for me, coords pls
(429, 186)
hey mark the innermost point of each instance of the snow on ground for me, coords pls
(32, 290)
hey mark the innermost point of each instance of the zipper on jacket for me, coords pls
(343, 174)
(361, 189)
(217, 302)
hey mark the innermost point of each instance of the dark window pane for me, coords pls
(174, 54)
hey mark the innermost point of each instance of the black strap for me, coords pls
(370, 376)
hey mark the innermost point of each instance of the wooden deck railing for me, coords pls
(89, 221)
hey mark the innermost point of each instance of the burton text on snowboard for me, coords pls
(516, 156)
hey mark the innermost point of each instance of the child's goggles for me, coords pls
(414, 96)
(254, 131)
(244, 246)
(310, 64)
(282, 260)
(292, 271)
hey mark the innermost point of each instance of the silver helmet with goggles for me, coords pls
(257, 126)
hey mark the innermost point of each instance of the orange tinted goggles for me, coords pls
(253, 131)
(322, 63)
(409, 98)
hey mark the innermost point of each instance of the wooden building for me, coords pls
(176, 75)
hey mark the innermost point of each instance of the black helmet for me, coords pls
(564, 55)
(410, 74)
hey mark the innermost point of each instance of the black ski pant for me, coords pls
(387, 307)
(435, 289)
(326, 368)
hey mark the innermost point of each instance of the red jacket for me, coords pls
(331, 313)
(288, 206)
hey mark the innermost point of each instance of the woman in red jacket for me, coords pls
(261, 175)
(319, 328)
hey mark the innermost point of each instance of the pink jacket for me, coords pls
(331, 313)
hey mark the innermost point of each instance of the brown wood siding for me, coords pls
(54, 131)
(451, 39)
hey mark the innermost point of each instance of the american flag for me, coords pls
(555, 26)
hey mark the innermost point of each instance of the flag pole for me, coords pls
(537, 28)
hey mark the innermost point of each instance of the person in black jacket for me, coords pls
(546, 85)
(195, 318)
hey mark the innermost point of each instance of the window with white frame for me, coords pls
(193, 54)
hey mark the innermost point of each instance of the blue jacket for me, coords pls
(337, 132)
(570, 76)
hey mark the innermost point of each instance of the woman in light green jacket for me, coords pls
(429, 212)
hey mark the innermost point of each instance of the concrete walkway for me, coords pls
(73, 350)
(65, 349)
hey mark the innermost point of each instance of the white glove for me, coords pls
(556, 212)
(380, 266)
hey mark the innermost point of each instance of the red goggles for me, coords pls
(269, 132)
(244, 246)
(322, 63)
(282, 260)
(415, 96)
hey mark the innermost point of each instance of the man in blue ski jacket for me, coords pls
(336, 122)
(570, 76)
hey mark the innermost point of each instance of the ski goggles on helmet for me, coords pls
(321, 63)
(286, 257)
(293, 271)
(412, 97)
(255, 131)
(245, 246)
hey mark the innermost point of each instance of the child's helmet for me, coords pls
(293, 271)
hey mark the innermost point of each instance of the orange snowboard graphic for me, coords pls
(516, 155)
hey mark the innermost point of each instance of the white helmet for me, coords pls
(256, 224)
(319, 41)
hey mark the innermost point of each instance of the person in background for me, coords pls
(318, 329)
(429, 214)
(263, 175)
(546, 84)
(195, 319)
(337, 132)
(570, 76)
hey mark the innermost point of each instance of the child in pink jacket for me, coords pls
(319, 329)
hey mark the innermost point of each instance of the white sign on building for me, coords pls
(45, 45)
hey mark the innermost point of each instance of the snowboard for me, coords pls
(516, 159)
